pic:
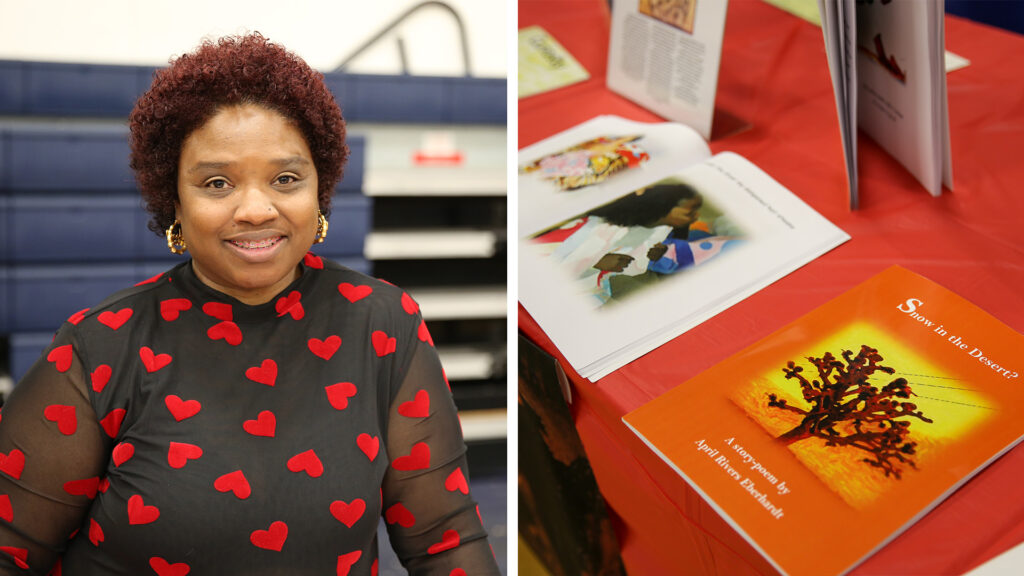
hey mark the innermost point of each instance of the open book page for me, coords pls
(597, 161)
(899, 65)
(824, 440)
(665, 54)
(839, 27)
(616, 279)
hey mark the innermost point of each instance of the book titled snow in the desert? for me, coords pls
(863, 414)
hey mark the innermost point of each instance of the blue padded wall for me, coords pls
(25, 350)
(68, 157)
(11, 87)
(40, 298)
(60, 228)
(99, 89)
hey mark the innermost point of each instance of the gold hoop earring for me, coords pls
(174, 239)
(321, 227)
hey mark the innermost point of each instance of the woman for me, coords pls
(256, 409)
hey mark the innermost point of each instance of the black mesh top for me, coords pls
(174, 430)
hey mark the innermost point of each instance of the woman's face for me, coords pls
(247, 201)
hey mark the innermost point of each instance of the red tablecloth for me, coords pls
(774, 77)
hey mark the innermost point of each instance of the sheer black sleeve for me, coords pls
(52, 455)
(433, 523)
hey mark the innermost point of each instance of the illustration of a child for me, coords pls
(616, 240)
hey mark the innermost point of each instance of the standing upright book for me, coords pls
(665, 55)
(887, 63)
(863, 414)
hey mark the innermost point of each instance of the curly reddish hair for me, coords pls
(231, 71)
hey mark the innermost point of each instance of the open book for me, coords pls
(824, 440)
(887, 63)
(633, 233)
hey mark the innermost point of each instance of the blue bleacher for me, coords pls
(72, 227)
(102, 91)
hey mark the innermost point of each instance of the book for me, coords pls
(562, 515)
(632, 233)
(544, 64)
(665, 55)
(887, 62)
(863, 414)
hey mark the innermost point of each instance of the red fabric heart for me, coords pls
(151, 361)
(348, 513)
(115, 320)
(408, 304)
(180, 453)
(373, 568)
(382, 344)
(419, 407)
(265, 373)
(20, 556)
(111, 423)
(95, 532)
(236, 483)
(424, 334)
(182, 409)
(61, 357)
(457, 572)
(354, 293)
(307, 462)
(291, 304)
(325, 348)
(226, 330)
(122, 453)
(219, 310)
(6, 511)
(141, 513)
(346, 561)
(456, 481)
(12, 463)
(418, 458)
(164, 568)
(370, 445)
(449, 540)
(150, 280)
(399, 514)
(85, 487)
(338, 394)
(100, 377)
(313, 261)
(172, 308)
(64, 416)
(265, 424)
(77, 316)
(104, 484)
(272, 538)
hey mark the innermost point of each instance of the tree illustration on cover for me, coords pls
(846, 409)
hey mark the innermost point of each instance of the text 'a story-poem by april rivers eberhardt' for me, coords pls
(731, 458)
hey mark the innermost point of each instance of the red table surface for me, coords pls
(774, 77)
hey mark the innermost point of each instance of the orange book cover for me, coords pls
(864, 413)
